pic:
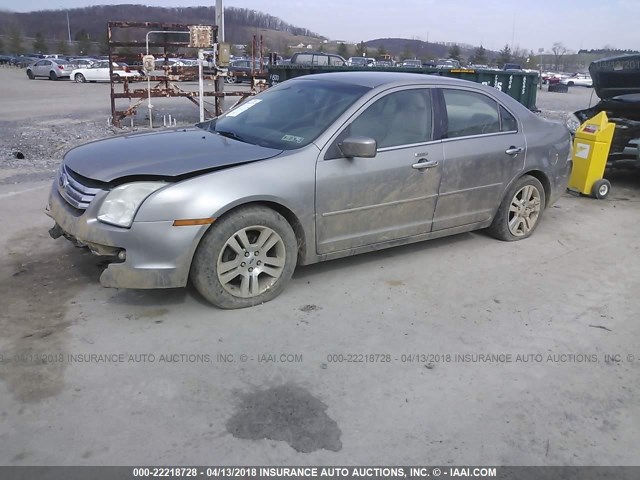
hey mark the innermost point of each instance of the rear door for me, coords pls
(362, 201)
(483, 148)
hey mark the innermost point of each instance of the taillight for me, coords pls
(60, 67)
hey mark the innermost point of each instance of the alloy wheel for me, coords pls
(524, 210)
(251, 261)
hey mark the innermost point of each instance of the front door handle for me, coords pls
(422, 164)
(514, 150)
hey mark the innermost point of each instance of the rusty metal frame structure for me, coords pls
(132, 51)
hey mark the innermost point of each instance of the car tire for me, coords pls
(53, 76)
(570, 84)
(601, 189)
(79, 78)
(255, 243)
(30, 75)
(520, 211)
(230, 79)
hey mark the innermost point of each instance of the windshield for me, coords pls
(288, 116)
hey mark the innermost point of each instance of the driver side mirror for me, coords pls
(358, 147)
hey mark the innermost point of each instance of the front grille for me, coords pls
(73, 191)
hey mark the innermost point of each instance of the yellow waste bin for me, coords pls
(590, 151)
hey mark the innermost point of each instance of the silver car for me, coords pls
(316, 168)
(51, 68)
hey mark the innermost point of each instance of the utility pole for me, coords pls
(220, 20)
(68, 27)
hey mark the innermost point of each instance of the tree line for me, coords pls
(48, 28)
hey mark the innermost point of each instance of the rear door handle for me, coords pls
(425, 164)
(514, 150)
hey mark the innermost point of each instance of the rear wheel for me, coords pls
(231, 79)
(570, 84)
(53, 76)
(520, 211)
(30, 75)
(246, 258)
(79, 78)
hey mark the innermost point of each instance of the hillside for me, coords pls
(240, 23)
(409, 48)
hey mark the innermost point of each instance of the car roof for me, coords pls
(376, 79)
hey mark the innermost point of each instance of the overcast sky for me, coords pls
(529, 24)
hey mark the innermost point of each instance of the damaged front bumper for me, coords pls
(147, 255)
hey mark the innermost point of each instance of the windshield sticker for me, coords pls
(243, 107)
(292, 138)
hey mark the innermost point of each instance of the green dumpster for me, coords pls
(517, 84)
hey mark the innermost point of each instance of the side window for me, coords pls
(400, 118)
(304, 58)
(335, 61)
(509, 123)
(470, 113)
(320, 60)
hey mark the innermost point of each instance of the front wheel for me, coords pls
(30, 75)
(230, 79)
(519, 213)
(79, 78)
(246, 258)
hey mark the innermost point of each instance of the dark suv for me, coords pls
(317, 58)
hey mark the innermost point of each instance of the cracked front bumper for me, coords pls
(158, 255)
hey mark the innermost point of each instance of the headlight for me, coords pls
(123, 202)
(572, 123)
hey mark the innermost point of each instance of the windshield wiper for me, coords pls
(233, 135)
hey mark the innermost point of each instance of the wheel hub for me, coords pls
(251, 261)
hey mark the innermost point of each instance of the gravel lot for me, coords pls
(94, 376)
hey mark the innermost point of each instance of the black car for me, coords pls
(616, 81)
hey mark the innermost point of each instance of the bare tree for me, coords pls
(558, 50)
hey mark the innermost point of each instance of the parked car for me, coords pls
(512, 66)
(411, 64)
(447, 63)
(317, 58)
(56, 56)
(52, 68)
(316, 168)
(579, 79)
(23, 61)
(552, 78)
(99, 72)
(616, 82)
(357, 62)
(242, 70)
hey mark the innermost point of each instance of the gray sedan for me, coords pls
(316, 168)
(51, 68)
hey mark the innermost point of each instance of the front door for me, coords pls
(362, 201)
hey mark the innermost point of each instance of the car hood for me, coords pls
(616, 76)
(169, 153)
